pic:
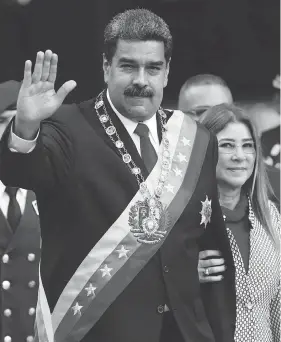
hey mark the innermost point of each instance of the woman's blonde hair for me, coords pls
(215, 119)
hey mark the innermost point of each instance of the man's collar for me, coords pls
(3, 188)
(131, 125)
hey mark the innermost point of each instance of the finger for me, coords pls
(211, 262)
(37, 73)
(53, 68)
(217, 269)
(46, 65)
(27, 74)
(210, 279)
(65, 89)
(209, 253)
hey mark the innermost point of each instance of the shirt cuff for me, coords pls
(17, 144)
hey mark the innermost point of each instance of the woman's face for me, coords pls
(237, 156)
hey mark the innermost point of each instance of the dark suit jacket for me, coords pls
(82, 186)
(20, 253)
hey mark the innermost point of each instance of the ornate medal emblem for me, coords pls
(206, 211)
(147, 219)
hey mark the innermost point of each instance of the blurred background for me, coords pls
(238, 40)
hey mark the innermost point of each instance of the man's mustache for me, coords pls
(138, 92)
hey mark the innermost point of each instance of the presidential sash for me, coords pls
(123, 251)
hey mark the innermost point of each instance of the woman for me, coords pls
(252, 224)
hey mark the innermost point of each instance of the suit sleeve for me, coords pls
(219, 297)
(48, 164)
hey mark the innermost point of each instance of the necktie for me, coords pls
(148, 153)
(14, 212)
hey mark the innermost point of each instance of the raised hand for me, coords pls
(37, 98)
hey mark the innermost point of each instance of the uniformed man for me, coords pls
(201, 92)
(19, 245)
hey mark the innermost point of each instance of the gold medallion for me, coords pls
(147, 220)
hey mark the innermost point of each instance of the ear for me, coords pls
(106, 68)
(167, 73)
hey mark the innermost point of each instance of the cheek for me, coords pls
(251, 163)
(221, 165)
(157, 85)
(118, 78)
(165, 81)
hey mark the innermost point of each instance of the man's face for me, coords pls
(136, 77)
(5, 118)
(208, 95)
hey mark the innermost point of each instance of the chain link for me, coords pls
(126, 157)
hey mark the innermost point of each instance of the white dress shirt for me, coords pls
(5, 199)
(132, 125)
(17, 144)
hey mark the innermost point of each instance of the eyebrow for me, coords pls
(132, 61)
(232, 140)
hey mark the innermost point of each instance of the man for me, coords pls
(120, 229)
(200, 92)
(19, 244)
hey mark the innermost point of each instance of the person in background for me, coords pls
(266, 116)
(19, 244)
(125, 190)
(252, 224)
(270, 138)
(201, 92)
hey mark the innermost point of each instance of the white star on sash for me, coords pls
(122, 252)
(170, 188)
(182, 157)
(177, 171)
(77, 309)
(106, 271)
(186, 142)
(90, 290)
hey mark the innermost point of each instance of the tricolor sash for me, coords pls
(118, 256)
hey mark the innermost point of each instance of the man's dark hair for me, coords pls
(136, 24)
(204, 79)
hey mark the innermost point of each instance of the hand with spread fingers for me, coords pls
(37, 98)
(209, 265)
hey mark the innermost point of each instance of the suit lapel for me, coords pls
(127, 140)
(26, 225)
(6, 233)
(88, 111)
(87, 108)
(92, 118)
